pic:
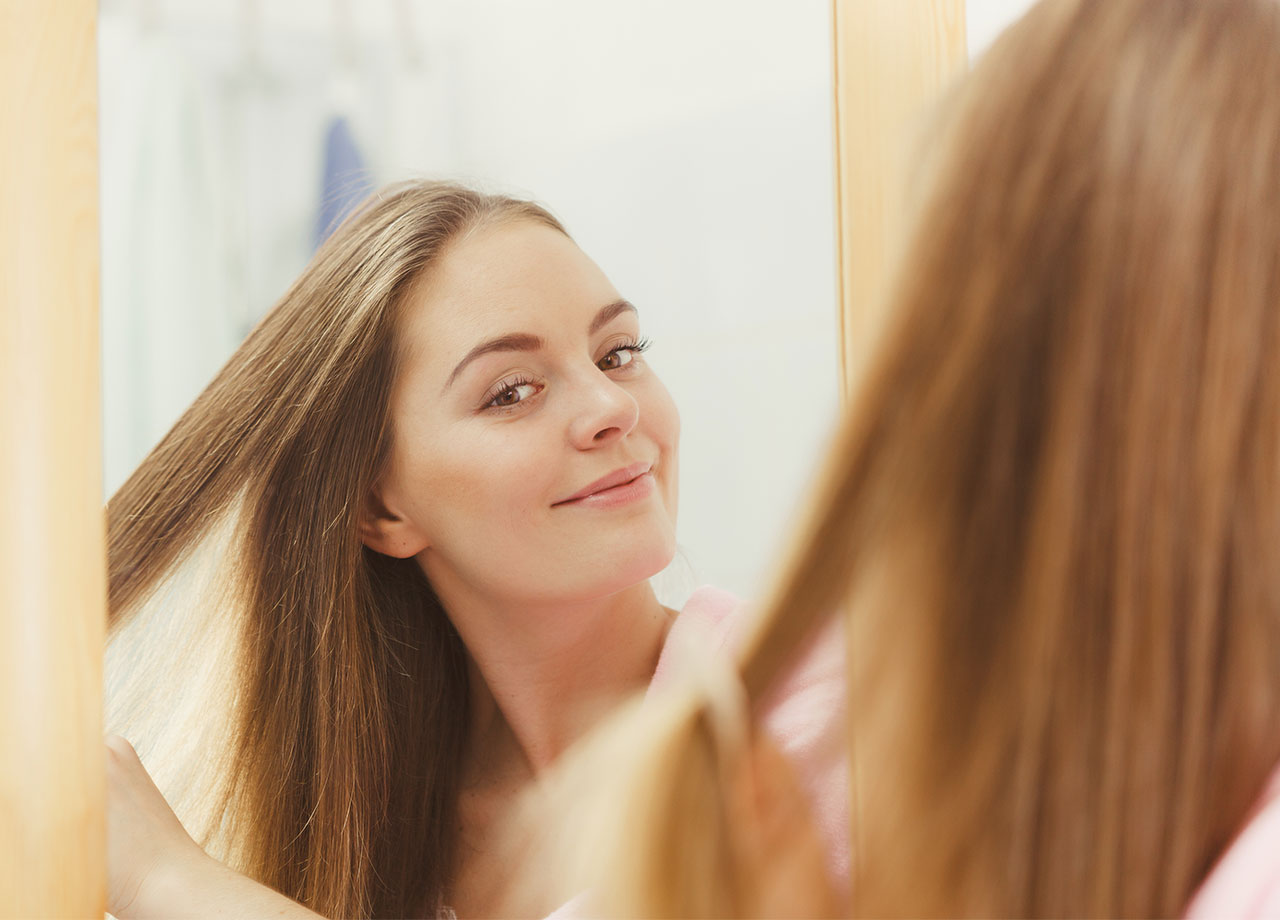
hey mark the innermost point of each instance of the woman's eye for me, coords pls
(512, 395)
(622, 356)
(618, 358)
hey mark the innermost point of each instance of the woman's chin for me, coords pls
(630, 565)
(647, 568)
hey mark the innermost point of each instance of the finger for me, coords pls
(119, 746)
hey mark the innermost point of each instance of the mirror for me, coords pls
(687, 146)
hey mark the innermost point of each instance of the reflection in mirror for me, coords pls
(686, 146)
(276, 671)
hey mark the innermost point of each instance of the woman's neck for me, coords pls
(544, 676)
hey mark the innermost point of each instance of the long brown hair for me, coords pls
(1053, 510)
(332, 774)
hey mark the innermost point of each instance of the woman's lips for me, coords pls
(620, 487)
(640, 487)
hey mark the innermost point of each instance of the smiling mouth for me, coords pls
(621, 495)
(618, 485)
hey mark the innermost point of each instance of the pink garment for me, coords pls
(1246, 881)
(804, 715)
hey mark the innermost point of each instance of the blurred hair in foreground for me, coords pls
(1050, 517)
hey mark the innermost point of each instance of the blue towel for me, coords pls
(345, 181)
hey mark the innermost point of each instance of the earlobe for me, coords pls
(386, 531)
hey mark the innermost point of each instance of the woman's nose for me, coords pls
(603, 412)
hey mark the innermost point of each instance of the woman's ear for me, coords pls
(385, 529)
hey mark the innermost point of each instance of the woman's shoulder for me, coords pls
(804, 715)
(709, 607)
(713, 623)
(1246, 881)
(709, 624)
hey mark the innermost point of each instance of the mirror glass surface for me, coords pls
(686, 144)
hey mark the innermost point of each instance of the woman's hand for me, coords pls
(145, 840)
(155, 869)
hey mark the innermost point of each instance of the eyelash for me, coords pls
(637, 347)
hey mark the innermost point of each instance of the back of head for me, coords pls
(1053, 512)
(300, 697)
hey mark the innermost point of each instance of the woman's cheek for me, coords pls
(658, 413)
(661, 421)
(670, 439)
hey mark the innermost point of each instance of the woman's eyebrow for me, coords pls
(523, 341)
(607, 314)
(516, 341)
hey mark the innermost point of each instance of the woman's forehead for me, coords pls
(515, 278)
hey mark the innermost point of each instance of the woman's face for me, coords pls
(523, 397)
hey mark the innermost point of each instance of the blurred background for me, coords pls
(686, 144)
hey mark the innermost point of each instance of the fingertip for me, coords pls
(119, 745)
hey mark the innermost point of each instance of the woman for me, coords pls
(411, 524)
(1052, 516)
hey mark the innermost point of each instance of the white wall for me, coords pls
(986, 19)
(686, 144)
